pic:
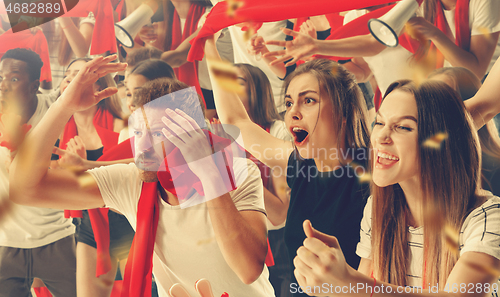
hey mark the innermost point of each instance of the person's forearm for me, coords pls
(33, 158)
(276, 207)
(356, 46)
(79, 43)
(243, 247)
(486, 104)
(459, 57)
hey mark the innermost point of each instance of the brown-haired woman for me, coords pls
(325, 113)
(86, 137)
(425, 182)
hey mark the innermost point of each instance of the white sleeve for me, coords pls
(365, 242)
(481, 230)
(120, 187)
(250, 193)
(484, 16)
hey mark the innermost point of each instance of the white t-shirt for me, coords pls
(479, 233)
(269, 31)
(185, 248)
(25, 226)
(389, 65)
(484, 16)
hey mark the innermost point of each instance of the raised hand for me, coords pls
(308, 28)
(76, 146)
(202, 286)
(320, 260)
(256, 46)
(188, 137)
(422, 27)
(301, 47)
(80, 95)
(148, 33)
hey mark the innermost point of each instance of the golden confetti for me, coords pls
(249, 33)
(205, 241)
(233, 6)
(451, 236)
(436, 140)
(415, 34)
(361, 172)
(226, 76)
(85, 181)
(485, 31)
(335, 70)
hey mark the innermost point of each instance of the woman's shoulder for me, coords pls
(489, 210)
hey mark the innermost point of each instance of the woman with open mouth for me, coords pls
(325, 114)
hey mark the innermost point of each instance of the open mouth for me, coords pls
(386, 160)
(299, 135)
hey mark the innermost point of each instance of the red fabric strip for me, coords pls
(174, 178)
(188, 72)
(268, 11)
(462, 30)
(103, 38)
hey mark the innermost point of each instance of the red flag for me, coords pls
(103, 38)
(268, 11)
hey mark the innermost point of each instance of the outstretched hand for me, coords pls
(80, 95)
(301, 47)
(320, 260)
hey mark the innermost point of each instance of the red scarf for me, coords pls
(188, 72)
(269, 11)
(462, 29)
(103, 38)
(99, 216)
(36, 43)
(103, 123)
(138, 271)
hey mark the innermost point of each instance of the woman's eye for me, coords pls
(403, 128)
(378, 123)
(14, 79)
(288, 104)
(138, 133)
(310, 100)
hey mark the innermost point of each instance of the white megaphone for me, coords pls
(126, 29)
(387, 28)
